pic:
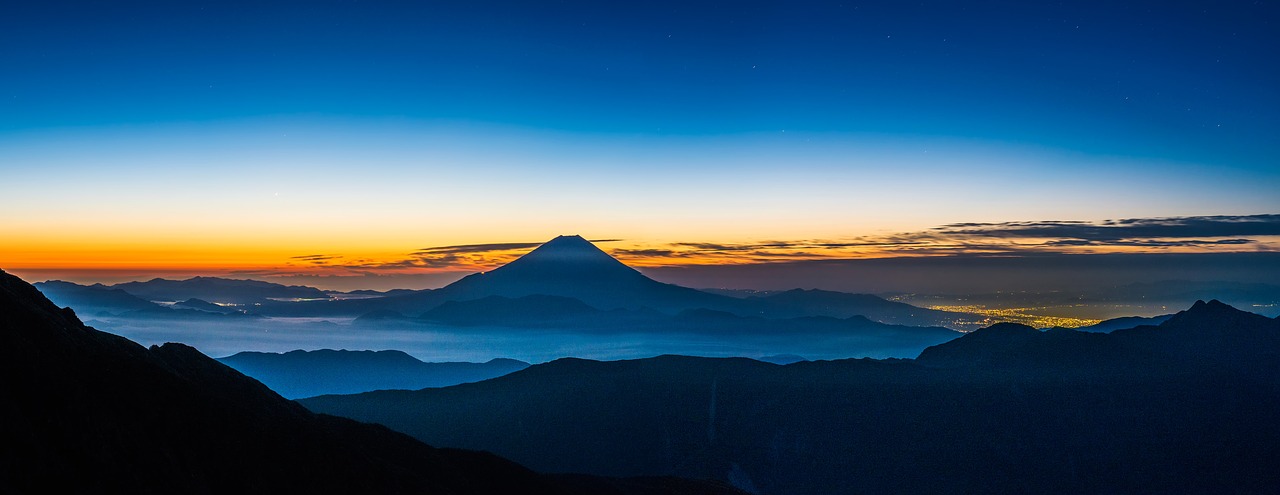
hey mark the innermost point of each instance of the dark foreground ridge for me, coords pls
(83, 411)
(1188, 406)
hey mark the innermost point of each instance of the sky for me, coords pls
(406, 143)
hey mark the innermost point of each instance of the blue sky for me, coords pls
(1175, 80)
(147, 128)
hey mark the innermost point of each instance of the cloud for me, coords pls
(1124, 229)
(709, 246)
(644, 253)
(1194, 234)
(478, 248)
(314, 257)
(1151, 242)
(1161, 234)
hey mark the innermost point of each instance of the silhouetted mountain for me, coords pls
(1029, 352)
(89, 412)
(1108, 326)
(98, 299)
(93, 299)
(1213, 335)
(297, 374)
(1001, 410)
(222, 290)
(570, 266)
(1207, 336)
(981, 346)
(569, 281)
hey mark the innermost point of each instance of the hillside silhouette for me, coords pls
(86, 411)
(1004, 409)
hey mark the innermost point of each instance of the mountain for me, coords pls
(1001, 410)
(981, 347)
(1107, 326)
(299, 373)
(93, 299)
(220, 290)
(1056, 353)
(85, 411)
(98, 300)
(1212, 335)
(573, 277)
(571, 266)
(1209, 336)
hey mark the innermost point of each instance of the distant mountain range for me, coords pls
(566, 284)
(1186, 406)
(93, 299)
(220, 290)
(298, 374)
(572, 267)
(569, 268)
(100, 300)
(86, 411)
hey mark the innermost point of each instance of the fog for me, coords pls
(433, 343)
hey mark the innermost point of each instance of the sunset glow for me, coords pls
(680, 149)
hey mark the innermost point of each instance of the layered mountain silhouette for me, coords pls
(1187, 406)
(85, 411)
(297, 374)
(93, 299)
(566, 274)
(217, 289)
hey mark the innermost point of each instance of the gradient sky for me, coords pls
(350, 137)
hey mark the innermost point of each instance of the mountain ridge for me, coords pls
(1060, 411)
(87, 411)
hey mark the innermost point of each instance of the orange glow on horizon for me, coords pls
(111, 259)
